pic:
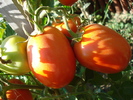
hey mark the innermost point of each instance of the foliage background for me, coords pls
(87, 84)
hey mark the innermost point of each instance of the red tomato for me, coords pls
(73, 23)
(102, 49)
(51, 58)
(18, 94)
(68, 2)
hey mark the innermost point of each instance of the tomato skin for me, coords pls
(102, 49)
(51, 58)
(13, 48)
(73, 23)
(67, 2)
(18, 94)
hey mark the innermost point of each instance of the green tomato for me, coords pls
(13, 55)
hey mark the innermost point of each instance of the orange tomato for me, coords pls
(102, 49)
(18, 94)
(51, 58)
(73, 23)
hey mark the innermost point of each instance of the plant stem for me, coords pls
(40, 10)
(64, 95)
(67, 26)
(83, 10)
(17, 86)
(4, 81)
(10, 86)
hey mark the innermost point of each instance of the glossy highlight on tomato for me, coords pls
(18, 94)
(67, 2)
(102, 49)
(73, 23)
(51, 58)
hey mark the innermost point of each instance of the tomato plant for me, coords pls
(52, 61)
(18, 94)
(68, 2)
(13, 55)
(102, 49)
(73, 23)
(51, 58)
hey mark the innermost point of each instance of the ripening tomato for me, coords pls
(51, 58)
(102, 49)
(67, 2)
(18, 94)
(73, 23)
(13, 55)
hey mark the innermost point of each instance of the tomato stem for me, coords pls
(4, 81)
(74, 35)
(4, 95)
(36, 22)
(26, 33)
(40, 12)
(18, 86)
(38, 83)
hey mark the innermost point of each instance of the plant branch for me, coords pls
(64, 95)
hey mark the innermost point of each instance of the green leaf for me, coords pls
(116, 76)
(48, 3)
(71, 97)
(104, 96)
(9, 31)
(5, 29)
(98, 79)
(128, 68)
(1, 34)
(84, 97)
(76, 81)
(127, 88)
(89, 74)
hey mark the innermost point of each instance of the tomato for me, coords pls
(73, 23)
(13, 55)
(51, 58)
(102, 49)
(18, 94)
(67, 2)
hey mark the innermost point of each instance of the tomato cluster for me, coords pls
(51, 53)
(52, 59)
